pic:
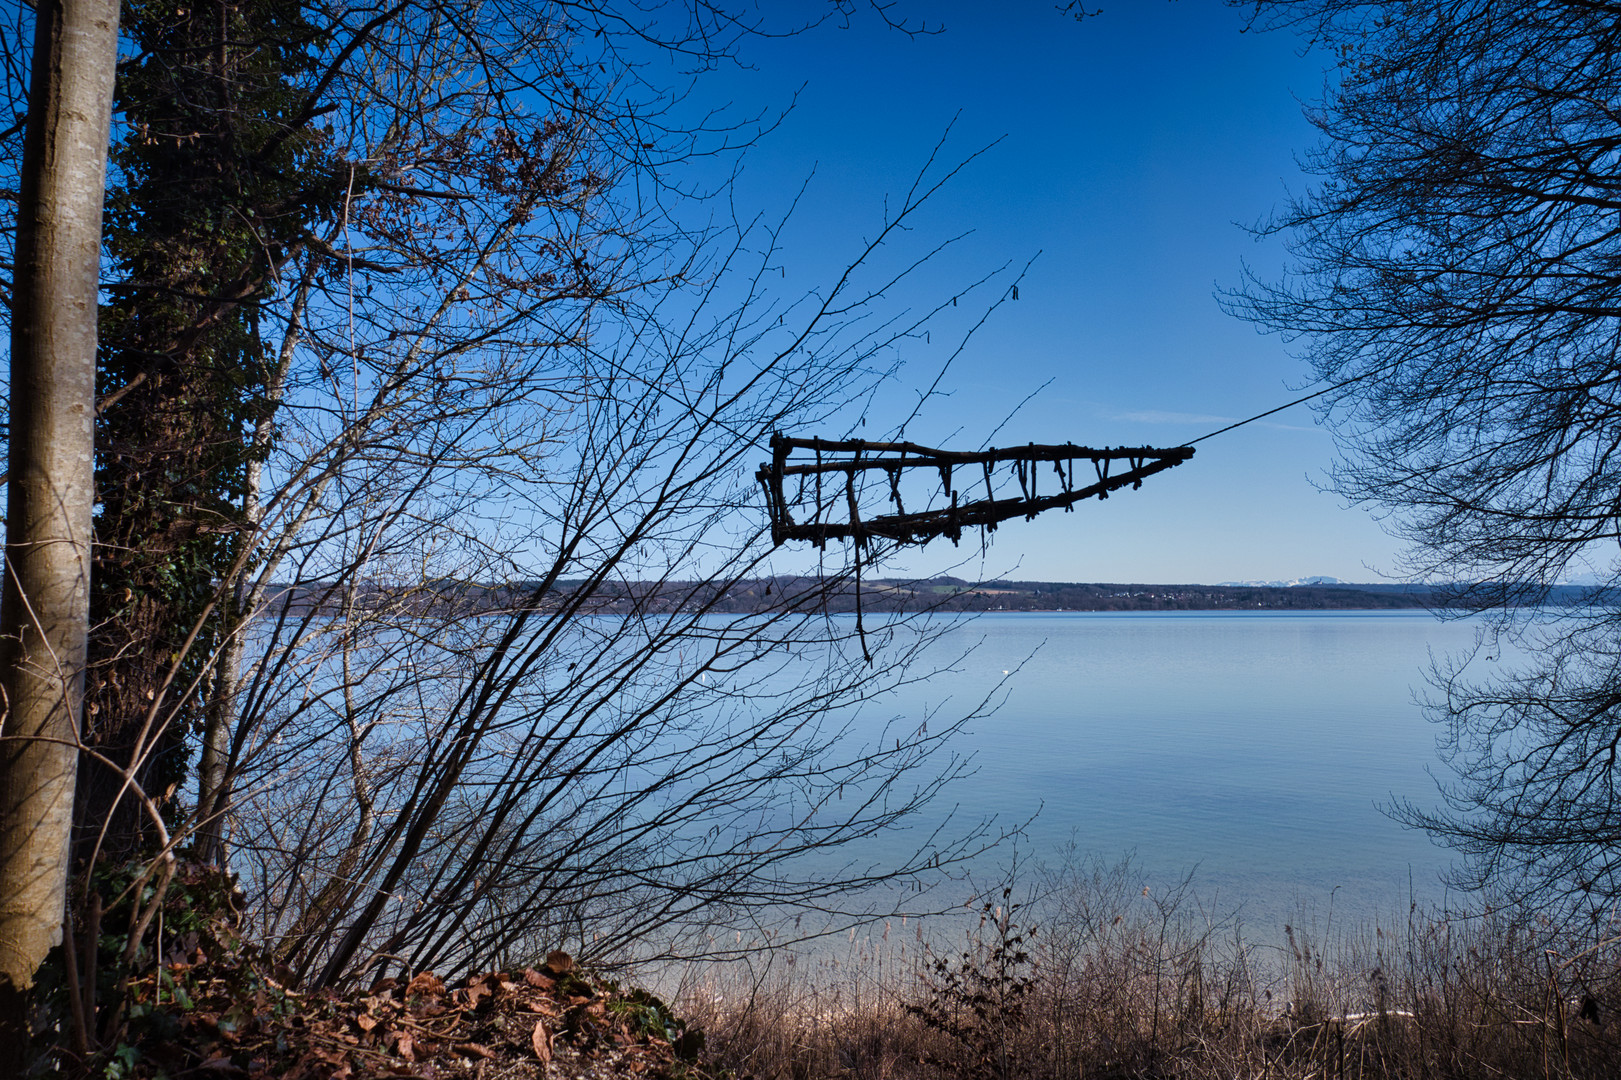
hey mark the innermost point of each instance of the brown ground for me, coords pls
(205, 1020)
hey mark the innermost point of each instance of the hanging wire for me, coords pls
(1380, 370)
(1262, 416)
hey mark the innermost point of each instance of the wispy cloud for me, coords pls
(1155, 416)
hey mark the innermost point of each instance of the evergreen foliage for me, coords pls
(219, 180)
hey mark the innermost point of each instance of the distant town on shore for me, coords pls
(956, 594)
(942, 594)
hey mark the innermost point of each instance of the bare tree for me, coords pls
(462, 686)
(1456, 284)
(588, 754)
(44, 609)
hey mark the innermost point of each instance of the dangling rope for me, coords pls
(861, 629)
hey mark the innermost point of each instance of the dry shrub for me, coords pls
(1138, 978)
(1500, 993)
(979, 1002)
(823, 1013)
(1131, 980)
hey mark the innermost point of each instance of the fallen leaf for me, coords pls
(542, 1041)
(426, 984)
(474, 1050)
(559, 962)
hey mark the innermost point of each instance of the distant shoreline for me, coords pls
(947, 594)
(941, 594)
(1047, 596)
(950, 594)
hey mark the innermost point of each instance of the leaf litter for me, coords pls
(227, 1018)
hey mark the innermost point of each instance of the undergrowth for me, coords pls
(1097, 976)
(1107, 978)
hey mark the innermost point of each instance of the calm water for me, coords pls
(1257, 747)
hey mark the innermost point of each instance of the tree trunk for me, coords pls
(44, 608)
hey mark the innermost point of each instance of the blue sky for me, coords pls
(1134, 148)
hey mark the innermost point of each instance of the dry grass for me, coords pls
(1118, 980)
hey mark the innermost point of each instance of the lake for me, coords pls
(1257, 747)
